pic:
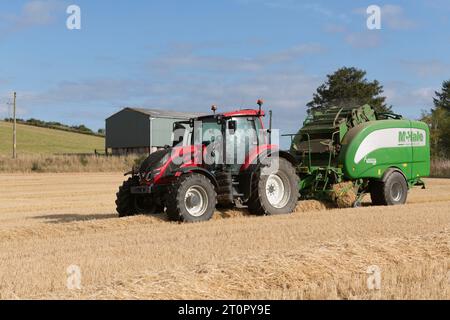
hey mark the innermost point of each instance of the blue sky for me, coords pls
(188, 55)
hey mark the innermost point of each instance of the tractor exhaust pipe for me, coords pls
(270, 127)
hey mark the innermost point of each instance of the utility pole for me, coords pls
(14, 128)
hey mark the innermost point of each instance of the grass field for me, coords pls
(34, 140)
(51, 221)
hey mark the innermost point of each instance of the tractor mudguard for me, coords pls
(202, 171)
(289, 157)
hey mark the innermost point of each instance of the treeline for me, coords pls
(59, 126)
(438, 119)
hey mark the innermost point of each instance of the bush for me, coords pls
(84, 161)
(57, 126)
(138, 161)
(36, 167)
(440, 168)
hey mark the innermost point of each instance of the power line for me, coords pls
(9, 104)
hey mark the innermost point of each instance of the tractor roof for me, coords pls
(237, 113)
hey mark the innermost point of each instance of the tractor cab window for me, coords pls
(241, 138)
(181, 133)
(207, 131)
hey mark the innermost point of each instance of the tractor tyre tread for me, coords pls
(176, 210)
(258, 204)
(124, 199)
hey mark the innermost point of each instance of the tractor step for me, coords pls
(225, 187)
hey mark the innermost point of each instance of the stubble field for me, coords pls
(49, 222)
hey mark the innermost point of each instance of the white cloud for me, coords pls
(291, 54)
(286, 91)
(306, 8)
(365, 39)
(38, 12)
(426, 68)
(185, 57)
(88, 91)
(33, 13)
(407, 99)
(318, 8)
(392, 16)
(335, 28)
(424, 94)
(395, 18)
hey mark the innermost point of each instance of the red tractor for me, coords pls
(217, 160)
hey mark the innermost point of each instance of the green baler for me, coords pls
(377, 153)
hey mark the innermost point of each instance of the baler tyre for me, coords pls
(192, 199)
(276, 193)
(395, 189)
(125, 201)
(376, 193)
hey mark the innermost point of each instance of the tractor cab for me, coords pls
(230, 137)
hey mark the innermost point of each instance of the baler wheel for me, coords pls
(393, 191)
(376, 193)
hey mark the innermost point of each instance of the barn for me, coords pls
(137, 130)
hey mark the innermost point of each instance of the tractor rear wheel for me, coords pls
(192, 199)
(274, 192)
(393, 191)
(125, 201)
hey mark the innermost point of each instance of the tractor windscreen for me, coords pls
(207, 131)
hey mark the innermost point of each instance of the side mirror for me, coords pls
(232, 126)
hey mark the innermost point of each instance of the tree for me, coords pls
(349, 87)
(438, 119)
(82, 128)
(442, 99)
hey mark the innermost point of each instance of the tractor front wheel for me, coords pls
(192, 199)
(274, 191)
(125, 201)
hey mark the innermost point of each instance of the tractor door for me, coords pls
(241, 139)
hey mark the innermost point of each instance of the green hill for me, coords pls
(33, 140)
